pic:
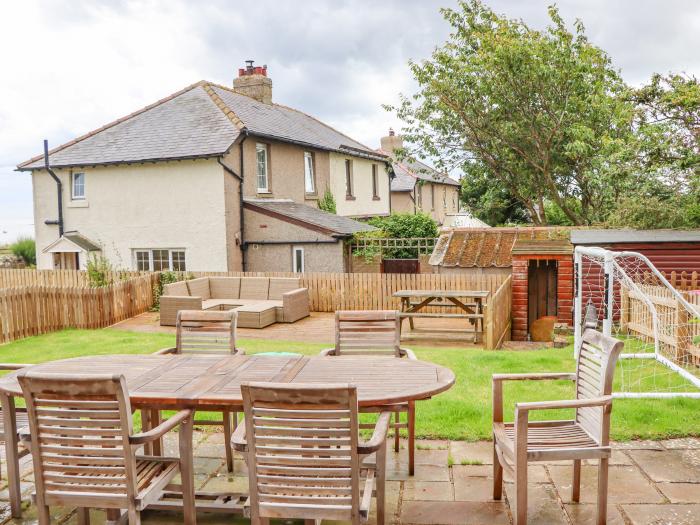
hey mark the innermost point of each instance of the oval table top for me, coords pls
(201, 381)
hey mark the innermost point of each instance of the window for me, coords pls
(432, 197)
(78, 186)
(419, 196)
(309, 183)
(298, 259)
(444, 197)
(348, 178)
(157, 260)
(375, 183)
(261, 157)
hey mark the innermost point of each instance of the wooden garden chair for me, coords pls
(305, 460)
(587, 436)
(208, 332)
(83, 448)
(377, 332)
(21, 419)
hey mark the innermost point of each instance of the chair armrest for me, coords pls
(295, 304)
(409, 354)
(327, 352)
(13, 366)
(379, 435)
(164, 351)
(238, 441)
(160, 430)
(569, 403)
(497, 385)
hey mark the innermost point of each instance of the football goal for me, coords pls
(622, 294)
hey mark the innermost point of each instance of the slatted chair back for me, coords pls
(302, 451)
(206, 332)
(595, 370)
(80, 428)
(374, 332)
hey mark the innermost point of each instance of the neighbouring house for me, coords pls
(540, 261)
(204, 179)
(463, 219)
(417, 187)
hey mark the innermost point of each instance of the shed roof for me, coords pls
(488, 247)
(202, 120)
(630, 236)
(330, 223)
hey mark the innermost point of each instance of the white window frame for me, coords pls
(150, 251)
(73, 195)
(375, 182)
(295, 268)
(309, 173)
(349, 183)
(265, 176)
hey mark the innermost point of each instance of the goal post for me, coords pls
(624, 295)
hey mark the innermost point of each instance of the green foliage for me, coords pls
(164, 278)
(99, 271)
(25, 249)
(368, 250)
(489, 200)
(327, 202)
(406, 225)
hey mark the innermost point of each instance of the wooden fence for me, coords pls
(497, 316)
(14, 278)
(38, 309)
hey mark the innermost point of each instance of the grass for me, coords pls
(463, 412)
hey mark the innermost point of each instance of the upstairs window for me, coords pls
(375, 183)
(298, 259)
(419, 196)
(432, 197)
(261, 158)
(349, 187)
(78, 186)
(309, 183)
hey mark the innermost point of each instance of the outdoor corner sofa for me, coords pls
(259, 301)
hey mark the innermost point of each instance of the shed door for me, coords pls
(542, 289)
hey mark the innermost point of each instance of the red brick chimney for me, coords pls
(253, 82)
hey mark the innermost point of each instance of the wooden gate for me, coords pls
(400, 266)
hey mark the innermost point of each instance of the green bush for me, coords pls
(99, 271)
(327, 202)
(405, 226)
(25, 249)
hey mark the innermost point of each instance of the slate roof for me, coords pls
(335, 224)
(409, 172)
(202, 120)
(490, 247)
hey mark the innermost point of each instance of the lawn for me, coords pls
(463, 412)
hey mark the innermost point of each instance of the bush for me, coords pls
(166, 277)
(99, 271)
(25, 249)
(327, 202)
(405, 226)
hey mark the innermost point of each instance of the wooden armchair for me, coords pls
(207, 332)
(20, 416)
(305, 460)
(377, 332)
(584, 437)
(83, 448)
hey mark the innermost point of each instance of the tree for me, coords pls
(542, 113)
(488, 199)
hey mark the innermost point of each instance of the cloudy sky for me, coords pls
(69, 67)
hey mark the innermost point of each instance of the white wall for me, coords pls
(363, 205)
(160, 205)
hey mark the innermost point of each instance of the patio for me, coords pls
(651, 482)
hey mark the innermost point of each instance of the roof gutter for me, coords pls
(59, 191)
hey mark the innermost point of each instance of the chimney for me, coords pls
(391, 142)
(253, 82)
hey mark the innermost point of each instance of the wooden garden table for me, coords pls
(168, 382)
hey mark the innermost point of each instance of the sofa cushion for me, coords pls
(199, 288)
(224, 287)
(179, 289)
(282, 285)
(254, 288)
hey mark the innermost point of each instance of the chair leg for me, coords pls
(42, 514)
(520, 514)
(134, 516)
(397, 420)
(113, 516)
(83, 515)
(497, 475)
(602, 491)
(380, 482)
(576, 483)
(411, 437)
(146, 426)
(227, 441)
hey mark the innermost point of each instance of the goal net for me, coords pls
(622, 294)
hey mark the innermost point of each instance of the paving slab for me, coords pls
(689, 442)
(535, 474)
(431, 473)
(586, 514)
(662, 514)
(469, 488)
(681, 465)
(428, 490)
(472, 470)
(640, 444)
(626, 484)
(543, 507)
(454, 513)
(680, 492)
(480, 452)
(438, 457)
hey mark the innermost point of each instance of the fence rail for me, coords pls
(497, 316)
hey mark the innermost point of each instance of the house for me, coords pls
(194, 180)
(416, 187)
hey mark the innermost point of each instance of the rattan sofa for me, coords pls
(259, 301)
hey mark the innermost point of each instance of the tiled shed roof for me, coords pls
(202, 120)
(489, 247)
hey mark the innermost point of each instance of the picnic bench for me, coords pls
(469, 304)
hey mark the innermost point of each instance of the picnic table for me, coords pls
(468, 302)
(212, 382)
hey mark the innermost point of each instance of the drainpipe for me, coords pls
(59, 191)
(240, 195)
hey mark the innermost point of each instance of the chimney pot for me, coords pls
(391, 132)
(253, 82)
